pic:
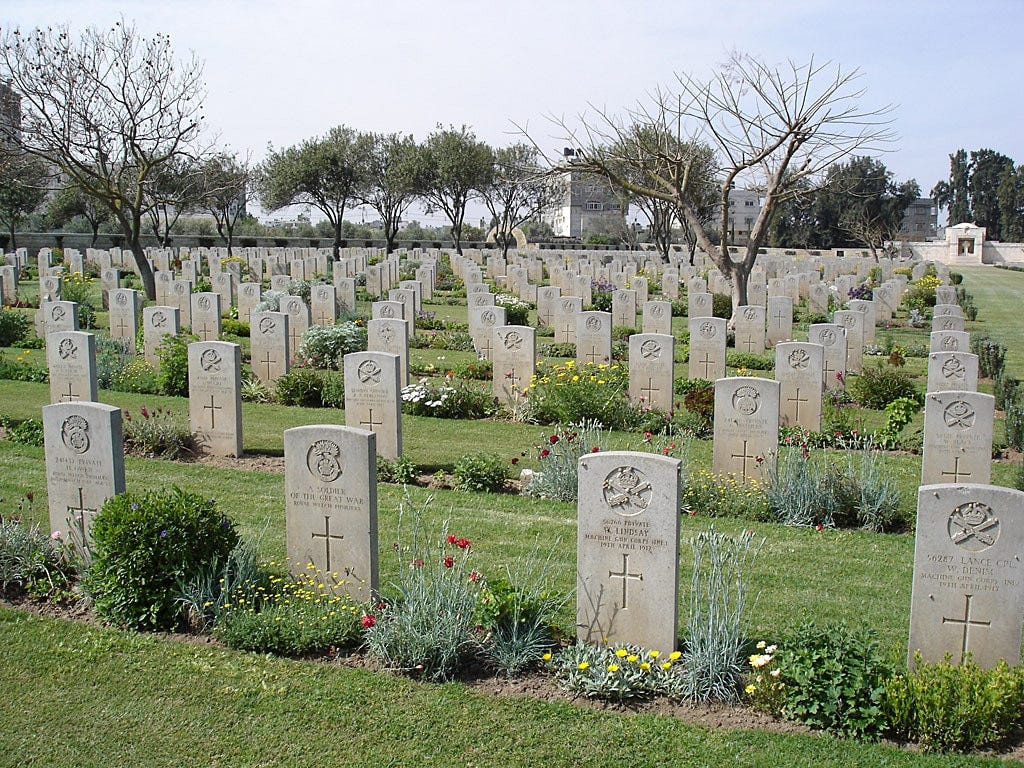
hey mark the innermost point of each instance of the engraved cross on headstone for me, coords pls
(749, 342)
(369, 423)
(648, 391)
(267, 362)
(593, 356)
(966, 622)
(956, 474)
(212, 409)
(485, 346)
(626, 576)
(796, 400)
(777, 317)
(745, 456)
(706, 363)
(121, 326)
(69, 396)
(327, 536)
(77, 516)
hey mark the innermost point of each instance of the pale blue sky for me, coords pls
(281, 72)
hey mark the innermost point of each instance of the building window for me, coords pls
(591, 206)
(750, 203)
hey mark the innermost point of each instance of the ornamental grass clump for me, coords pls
(32, 561)
(157, 433)
(426, 629)
(718, 593)
(558, 456)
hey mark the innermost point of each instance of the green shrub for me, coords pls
(480, 473)
(157, 433)
(558, 350)
(1004, 387)
(1015, 421)
(232, 327)
(324, 346)
(955, 707)
(700, 401)
(138, 376)
(112, 357)
(991, 355)
(727, 495)
(23, 431)
(14, 327)
(879, 385)
(19, 369)
(721, 305)
(955, 278)
(516, 312)
(427, 629)
(143, 544)
(560, 394)
(478, 370)
(448, 400)
(173, 355)
(401, 470)
(834, 680)
(750, 361)
(310, 388)
(297, 618)
(77, 287)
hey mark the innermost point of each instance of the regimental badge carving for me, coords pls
(954, 370)
(487, 317)
(267, 325)
(387, 335)
(513, 340)
(656, 311)
(323, 294)
(159, 319)
(707, 330)
(67, 349)
(180, 288)
(387, 311)
(324, 460)
(369, 372)
(826, 337)
(958, 415)
(973, 527)
(749, 313)
(203, 302)
(210, 360)
(948, 323)
(121, 298)
(627, 491)
(249, 290)
(650, 350)
(746, 400)
(799, 360)
(74, 433)
(294, 307)
(58, 313)
(950, 344)
(593, 323)
(567, 306)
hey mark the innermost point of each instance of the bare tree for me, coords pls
(109, 109)
(225, 188)
(174, 189)
(518, 191)
(770, 127)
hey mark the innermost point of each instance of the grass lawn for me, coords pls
(84, 695)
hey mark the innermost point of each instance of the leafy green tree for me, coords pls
(325, 173)
(223, 192)
(71, 202)
(982, 189)
(452, 168)
(109, 109)
(1011, 204)
(986, 169)
(518, 191)
(391, 180)
(23, 182)
(953, 194)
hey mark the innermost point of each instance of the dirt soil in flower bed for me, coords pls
(536, 685)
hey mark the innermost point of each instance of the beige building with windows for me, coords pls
(584, 205)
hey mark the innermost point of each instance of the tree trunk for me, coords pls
(95, 234)
(143, 266)
(336, 252)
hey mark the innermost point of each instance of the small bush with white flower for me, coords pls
(764, 689)
(450, 399)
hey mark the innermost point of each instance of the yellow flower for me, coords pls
(613, 667)
(761, 645)
(666, 664)
(750, 689)
(621, 653)
(655, 654)
(583, 665)
(632, 658)
(644, 665)
(675, 655)
(547, 656)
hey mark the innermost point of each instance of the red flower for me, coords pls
(819, 527)
(545, 453)
(474, 576)
(451, 538)
(553, 439)
(30, 496)
(381, 606)
(368, 621)
(693, 513)
(647, 437)
(416, 563)
(449, 561)
(515, 460)
(144, 412)
(462, 543)
(672, 446)
(595, 449)
(664, 451)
